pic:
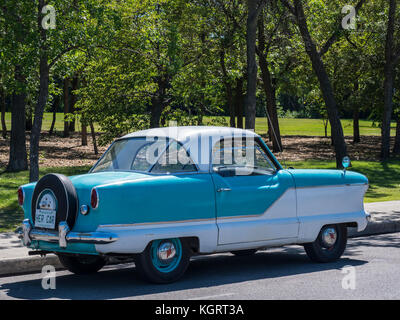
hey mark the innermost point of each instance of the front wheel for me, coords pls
(82, 264)
(329, 245)
(163, 261)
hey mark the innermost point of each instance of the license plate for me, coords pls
(45, 219)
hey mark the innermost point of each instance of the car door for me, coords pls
(255, 201)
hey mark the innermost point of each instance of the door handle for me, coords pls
(223, 189)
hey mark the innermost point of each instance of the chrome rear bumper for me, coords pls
(63, 236)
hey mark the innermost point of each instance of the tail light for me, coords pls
(94, 198)
(21, 196)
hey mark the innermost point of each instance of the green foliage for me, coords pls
(133, 57)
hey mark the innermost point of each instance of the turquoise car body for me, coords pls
(258, 211)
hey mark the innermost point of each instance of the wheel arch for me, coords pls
(309, 230)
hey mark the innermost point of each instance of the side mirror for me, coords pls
(346, 162)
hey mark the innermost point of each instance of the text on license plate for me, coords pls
(45, 218)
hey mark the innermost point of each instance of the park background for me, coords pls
(316, 79)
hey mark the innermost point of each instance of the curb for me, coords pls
(34, 264)
(375, 228)
(29, 264)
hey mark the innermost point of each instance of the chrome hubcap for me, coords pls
(329, 237)
(166, 252)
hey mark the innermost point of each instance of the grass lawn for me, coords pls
(384, 178)
(315, 127)
(384, 181)
(11, 214)
(288, 127)
(47, 120)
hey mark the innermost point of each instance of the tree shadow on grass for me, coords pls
(10, 218)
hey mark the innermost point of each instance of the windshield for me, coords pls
(145, 154)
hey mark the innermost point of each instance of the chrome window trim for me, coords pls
(151, 167)
(257, 144)
(165, 150)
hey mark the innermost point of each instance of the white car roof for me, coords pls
(197, 140)
(182, 133)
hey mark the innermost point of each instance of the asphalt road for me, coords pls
(280, 273)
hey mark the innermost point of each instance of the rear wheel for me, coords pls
(329, 245)
(163, 261)
(242, 253)
(82, 264)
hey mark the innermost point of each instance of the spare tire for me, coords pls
(55, 193)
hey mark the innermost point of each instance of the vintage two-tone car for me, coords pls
(160, 196)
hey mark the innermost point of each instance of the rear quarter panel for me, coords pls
(155, 208)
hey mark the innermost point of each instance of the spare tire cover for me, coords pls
(55, 192)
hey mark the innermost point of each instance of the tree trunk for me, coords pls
(157, 103)
(66, 107)
(228, 89)
(239, 102)
(96, 151)
(28, 117)
(155, 113)
(396, 148)
(254, 7)
(84, 134)
(325, 85)
(325, 121)
(269, 89)
(389, 72)
(18, 156)
(3, 113)
(356, 125)
(56, 104)
(41, 103)
(387, 112)
(75, 82)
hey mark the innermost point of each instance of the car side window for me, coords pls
(233, 157)
(141, 162)
(174, 159)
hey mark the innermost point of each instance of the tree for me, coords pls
(18, 156)
(254, 8)
(3, 112)
(42, 98)
(392, 57)
(16, 63)
(51, 46)
(319, 68)
(396, 147)
(269, 84)
(66, 107)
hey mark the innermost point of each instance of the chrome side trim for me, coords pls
(334, 185)
(154, 223)
(92, 237)
(219, 218)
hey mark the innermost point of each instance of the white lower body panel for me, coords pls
(319, 206)
(316, 207)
